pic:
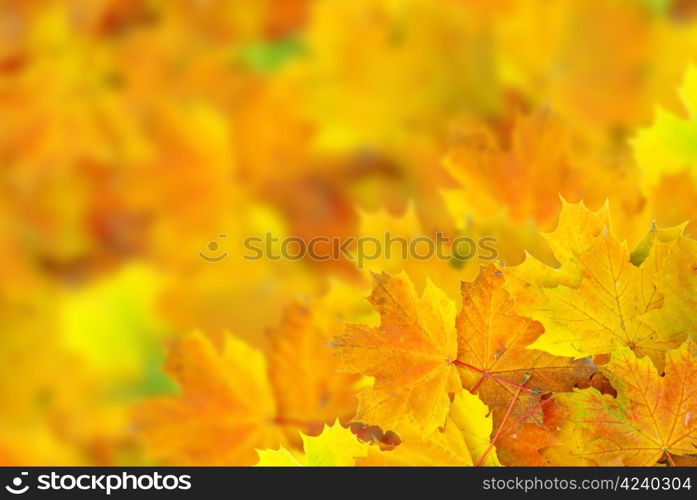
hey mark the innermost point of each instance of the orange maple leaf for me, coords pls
(494, 356)
(235, 400)
(226, 407)
(410, 355)
(304, 374)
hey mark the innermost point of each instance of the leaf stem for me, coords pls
(500, 429)
(462, 364)
(474, 388)
(525, 415)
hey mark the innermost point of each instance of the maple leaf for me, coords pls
(226, 406)
(435, 448)
(277, 458)
(575, 232)
(336, 446)
(300, 374)
(652, 416)
(519, 442)
(410, 355)
(493, 350)
(295, 125)
(603, 310)
(303, 372)
(476, 424)
(500, 185)
(464, 440)
(677, 282)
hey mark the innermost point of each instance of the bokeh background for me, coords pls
(134, 133)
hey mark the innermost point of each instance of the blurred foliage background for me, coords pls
(134, 133)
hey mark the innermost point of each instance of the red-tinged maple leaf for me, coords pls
(494, 355)
(654, 417)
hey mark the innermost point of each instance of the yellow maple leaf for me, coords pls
(474, 420)
(277, 458)
(435, 448)
(602, 307)
(464, 440)
(576, 229)
(336, 446)
(568, 441)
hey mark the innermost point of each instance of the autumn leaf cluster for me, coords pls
(137, 136)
